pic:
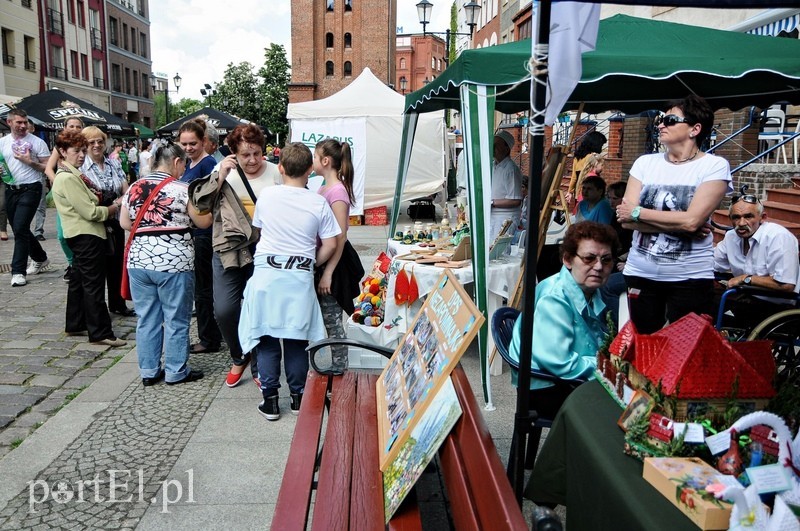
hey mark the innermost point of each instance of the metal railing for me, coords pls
(27, 3)
(58, 72)
(55, 21)
(9, 60)
(30, 65)
(99, 82)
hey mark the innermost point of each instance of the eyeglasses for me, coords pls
(591, 259)
(669, 120)
(99, 142)
(747, 198)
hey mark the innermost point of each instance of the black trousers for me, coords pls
(653, 302)
(114, 265)
(86, 301)
(21, 204)
(207, 329)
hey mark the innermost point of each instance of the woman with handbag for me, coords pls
(109, 183)
(247, 173)
(160, 259)
(338, 279)
(82, 219)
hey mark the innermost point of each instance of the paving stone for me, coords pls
(91, 348)
(24, 344)
(31, 419)
(53, 352)
(39, 369)
(10, 435)
(79, 382)
(13, 378)
(75, 362)
(39, 391)
(49, 380)
(18, 399)
(10, 389)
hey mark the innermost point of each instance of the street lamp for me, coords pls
(403, 84)
(207, 93)
(471, 9)
(154, 85)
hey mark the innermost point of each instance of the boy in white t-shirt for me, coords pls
(279, 300)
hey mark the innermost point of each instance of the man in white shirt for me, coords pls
(506, 201)
(25, 156)
(133, 162)
(757, 253)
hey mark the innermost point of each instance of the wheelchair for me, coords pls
(782, 328)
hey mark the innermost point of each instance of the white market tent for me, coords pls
(369, 115)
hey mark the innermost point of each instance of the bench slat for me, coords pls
(366, 498)
(486, 478)
(407, 517)
(332, 504)
(298, 475)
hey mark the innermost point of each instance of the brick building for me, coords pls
(420, 60)
(334, 40)
(130, 60)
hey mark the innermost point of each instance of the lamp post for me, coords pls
(403, 84)
(207, 92)
(424, 9)
(154, 85)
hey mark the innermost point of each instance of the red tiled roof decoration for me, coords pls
(690, 357)
(759, 355)
(622, 345)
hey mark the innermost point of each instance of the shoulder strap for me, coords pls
(246, 184)
(139, 215)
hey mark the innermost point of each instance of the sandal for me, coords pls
(4, 236)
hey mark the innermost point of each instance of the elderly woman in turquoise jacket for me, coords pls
(569, 320)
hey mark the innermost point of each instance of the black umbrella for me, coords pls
(224, 122)
(50, 109)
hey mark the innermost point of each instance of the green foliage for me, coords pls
(274, 91)
(637, 429)
(608, 337)
(177, 109)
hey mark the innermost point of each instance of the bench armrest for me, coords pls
(315, 347)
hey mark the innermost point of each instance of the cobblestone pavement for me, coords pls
(141, 435)
(41, 368)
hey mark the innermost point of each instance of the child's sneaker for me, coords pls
(269, 408)
(296, 399)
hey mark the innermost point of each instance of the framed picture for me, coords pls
(640, 404)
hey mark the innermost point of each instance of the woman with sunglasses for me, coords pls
(669, 199)
(569, 321)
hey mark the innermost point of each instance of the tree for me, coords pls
(238, 93)
(274, 91)
(177, 109)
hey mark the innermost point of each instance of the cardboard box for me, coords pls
(682, 480)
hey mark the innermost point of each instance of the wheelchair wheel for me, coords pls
(784, 329)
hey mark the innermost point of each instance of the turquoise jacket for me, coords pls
(567, 330)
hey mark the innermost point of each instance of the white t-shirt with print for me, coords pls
(24, 174)
(667, 256)
(269, 177)
(291, 219)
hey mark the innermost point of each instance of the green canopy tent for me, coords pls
(638, 64)
(144, 131)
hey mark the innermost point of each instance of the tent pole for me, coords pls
(523, 418)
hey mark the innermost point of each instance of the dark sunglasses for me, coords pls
(748, 198)
(591, 259)
(669, 120)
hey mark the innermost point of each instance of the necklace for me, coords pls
(687, 159)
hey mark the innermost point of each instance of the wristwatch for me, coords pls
(635, 214)
(747, 280)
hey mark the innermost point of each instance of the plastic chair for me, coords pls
(773, 130)
(502, 329)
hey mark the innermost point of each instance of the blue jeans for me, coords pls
(610, 293)
(21, 204)
(295, 358)
(163, 302)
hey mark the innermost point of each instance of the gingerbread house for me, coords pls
(767, 437)
(696, 368)
(660, 431)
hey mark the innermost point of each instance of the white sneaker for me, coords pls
(18, 280)
(37, 267)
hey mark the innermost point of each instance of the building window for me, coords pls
(348, 40)
(329, 68)
(143, 44)
(71, 11)
(145, 85)
(57, 69)
(433, 63)
(329, 40)
(116, 78)
(135, 83)
(74, 60)
(30, 53)
(113, 31)
(348, 69)
(124, 35)
(133, 40)
(97, 73)
(329, 4)
(85, 67)
(402, 63)
(127, 81)
(81, 14)
(348, 5)
(8, 47)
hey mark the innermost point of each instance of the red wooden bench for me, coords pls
(347, 477)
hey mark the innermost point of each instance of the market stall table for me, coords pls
(501, 278)
(582, 465)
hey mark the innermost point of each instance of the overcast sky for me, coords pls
(198, 38)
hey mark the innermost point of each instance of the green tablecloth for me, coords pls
(582, 465)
